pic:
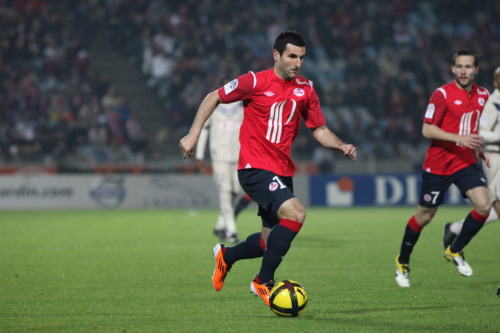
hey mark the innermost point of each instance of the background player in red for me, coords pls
(452, 123)
(489, 129)
(274, 102)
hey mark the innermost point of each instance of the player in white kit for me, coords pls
(490, 131)
(222, 130)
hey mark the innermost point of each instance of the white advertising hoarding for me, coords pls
(20, 192)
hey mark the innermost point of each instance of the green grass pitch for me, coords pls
(149, 271)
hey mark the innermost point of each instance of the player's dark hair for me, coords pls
(465, 52)
(291, 36)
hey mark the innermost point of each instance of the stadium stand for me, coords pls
(375, 64)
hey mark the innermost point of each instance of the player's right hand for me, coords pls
(187, 145)
(471, 141)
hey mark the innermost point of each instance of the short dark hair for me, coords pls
(465, 52)
(291, 36)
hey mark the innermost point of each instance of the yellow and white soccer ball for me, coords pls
(288, 298)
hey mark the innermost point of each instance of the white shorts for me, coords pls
(226, 176)
(493, 175)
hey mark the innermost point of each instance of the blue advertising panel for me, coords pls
(376, 189)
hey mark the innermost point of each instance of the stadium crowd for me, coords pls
(54, 107)
(375, 64)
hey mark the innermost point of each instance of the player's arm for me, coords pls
(329, 140)
(188, 143)
(488, 122)
(489, 136)
(471, 141)
(202, 143)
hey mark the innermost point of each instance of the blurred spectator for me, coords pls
(110, 100)
(136, 138)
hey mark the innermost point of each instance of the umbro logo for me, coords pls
(458, 102)
(269, 94)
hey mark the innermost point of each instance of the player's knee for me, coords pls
(292, 210)
(484, 209)
(298, 215)
(301, 216)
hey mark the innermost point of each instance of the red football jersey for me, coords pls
(454, 110)
(273, 108)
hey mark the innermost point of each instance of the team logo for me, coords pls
(269, 94)
(427, 198)
(458, 102)
(429, 113)
(481, 101)
(273, 186)
(231, 86)
(108, 192)
(298, 92)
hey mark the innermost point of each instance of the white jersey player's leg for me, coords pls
(221, 224)
(223, 174)
(227, 211)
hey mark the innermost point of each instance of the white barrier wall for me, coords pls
(24, 192)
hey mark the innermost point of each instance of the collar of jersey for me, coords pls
(473, 90)
(277, 78)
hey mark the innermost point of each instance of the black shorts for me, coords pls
(268, 190)
(435, 186)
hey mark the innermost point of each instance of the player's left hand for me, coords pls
(187, 145)
(349, 151)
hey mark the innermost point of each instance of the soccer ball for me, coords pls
(288, 298)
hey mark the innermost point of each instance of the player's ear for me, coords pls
(276, 55)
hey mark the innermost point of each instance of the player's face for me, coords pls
(496, 81)
(464, 70)
(287, 65)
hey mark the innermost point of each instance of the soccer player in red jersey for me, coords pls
(274, 102)
(452, 123)
(490, 131)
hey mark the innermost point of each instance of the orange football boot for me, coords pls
(262, 290)
(221, 268)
